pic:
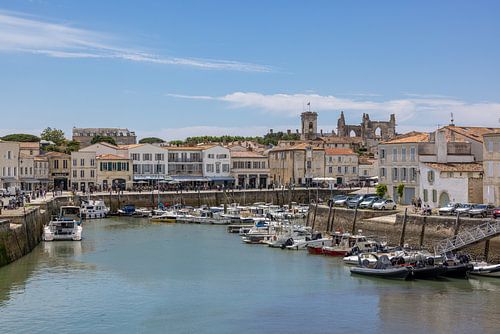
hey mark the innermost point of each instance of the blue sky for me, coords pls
(177, 69)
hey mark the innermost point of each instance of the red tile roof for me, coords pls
(339, 151)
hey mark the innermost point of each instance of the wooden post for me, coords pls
(308, 214)
(486, 250)
(314, 217)
(403, 230)
(329, 216)
(333, 220)
(225, 199)
(353, 231)
(422, 232)
(457, 224)
(199, 197)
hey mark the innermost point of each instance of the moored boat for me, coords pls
(67, 226)
(382, 269)
(485, 269)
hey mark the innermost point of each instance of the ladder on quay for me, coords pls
(468, 237)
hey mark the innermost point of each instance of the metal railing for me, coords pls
(468, 237)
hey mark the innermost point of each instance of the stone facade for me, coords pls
(491, 165)
(114, 171)
(368, 133)
(121, 136)
(83, 171)
(59, 170)
(297, 164)
(341, 164)
(9, 165)
(249, 169)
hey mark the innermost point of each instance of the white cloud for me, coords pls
(31, 35)
(423, 112)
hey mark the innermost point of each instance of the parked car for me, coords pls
(481, 210)
(384, 204)
(464, 208)
(367, 202)
(357, 199)
(496, 212)
(341, 201)
(335, 198)
(449, 209)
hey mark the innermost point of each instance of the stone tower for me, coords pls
(309, 125)
(341, 130)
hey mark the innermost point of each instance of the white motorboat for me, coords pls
(67, 226)
(142, 212)
(91, 209)
(485, 269)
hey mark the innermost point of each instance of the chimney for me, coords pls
(441, 146)
(297, 131)
(271, 131)
(321, 131)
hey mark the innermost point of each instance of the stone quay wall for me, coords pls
(420, 230)
(209, 198)
(19, 234)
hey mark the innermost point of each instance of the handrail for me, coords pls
(468, 237)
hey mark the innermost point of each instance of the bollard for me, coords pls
(422, 232)
(403, 230)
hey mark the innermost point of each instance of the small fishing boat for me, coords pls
(382, 269)
(485, 269)
(142, 212)
(427, 271)
(167, 217)
(127, 210)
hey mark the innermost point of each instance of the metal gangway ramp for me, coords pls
(468, 237)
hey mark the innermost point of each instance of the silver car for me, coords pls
(481, 210)
(464, 208)
(449, 209)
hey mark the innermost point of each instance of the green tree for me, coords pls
(176, 142)
(54, 135)
(105, 139)
(151, 140)
(72, 146)
(381, 190)
(400, 190)
(21, 137)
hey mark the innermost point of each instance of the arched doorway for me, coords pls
(444, 199)
(352, 134)
(119, 184)
(378, 132)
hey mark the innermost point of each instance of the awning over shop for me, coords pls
(8, 179)
(189, 178)
(324, 179)
(151, 177)
(221, 179)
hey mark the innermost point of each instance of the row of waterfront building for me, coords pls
(453, 163)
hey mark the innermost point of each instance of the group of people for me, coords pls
(424, 209)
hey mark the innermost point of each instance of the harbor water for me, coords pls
(132, 276)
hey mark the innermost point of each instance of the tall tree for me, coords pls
(151, 140)
(21, 137)
(101, 139)
(54, 135)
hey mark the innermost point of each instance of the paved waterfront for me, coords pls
(130, 276)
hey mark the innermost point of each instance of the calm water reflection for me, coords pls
(128, 275)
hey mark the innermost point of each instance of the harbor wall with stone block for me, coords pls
(419, 230)
(19, 234)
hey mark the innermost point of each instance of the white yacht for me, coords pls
(66, 226)
(91, 209)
